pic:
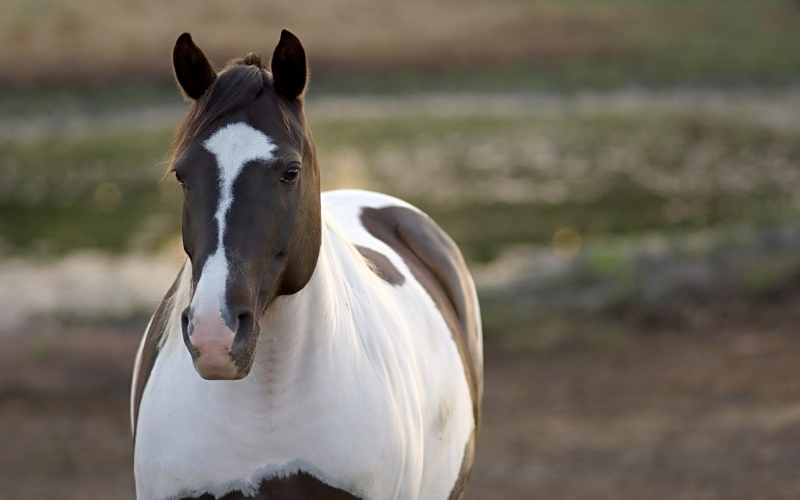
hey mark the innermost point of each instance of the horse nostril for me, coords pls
(244, 321)
(185, 321)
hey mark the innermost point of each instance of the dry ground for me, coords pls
(38, 38)
(711, 414)
(48, 43)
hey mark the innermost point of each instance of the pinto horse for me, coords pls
(314, 345)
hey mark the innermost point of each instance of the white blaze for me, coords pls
(233, 146)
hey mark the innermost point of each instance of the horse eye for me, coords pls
(291, 174)
(178, 177)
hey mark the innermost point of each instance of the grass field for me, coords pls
(521, 170)
(618, 186)
(622, 176)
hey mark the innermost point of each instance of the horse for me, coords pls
(314, 345)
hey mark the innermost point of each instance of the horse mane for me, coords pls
(240, 83)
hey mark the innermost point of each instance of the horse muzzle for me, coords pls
(219, 352)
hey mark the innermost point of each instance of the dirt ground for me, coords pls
(700, 413)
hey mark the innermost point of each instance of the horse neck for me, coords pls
(303, 333)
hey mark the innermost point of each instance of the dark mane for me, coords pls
(239, 84)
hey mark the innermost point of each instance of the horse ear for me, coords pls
(289, 70)
(193, 72)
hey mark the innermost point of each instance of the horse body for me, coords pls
(356, 381)
(314, 346)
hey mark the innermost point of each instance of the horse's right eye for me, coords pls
(179, 178)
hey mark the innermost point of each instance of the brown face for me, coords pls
(251, 221)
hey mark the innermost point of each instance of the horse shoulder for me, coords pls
(149, 347)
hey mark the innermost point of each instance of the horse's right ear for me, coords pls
(193, 72)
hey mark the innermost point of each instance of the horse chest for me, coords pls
(383, 414)
(196, 437)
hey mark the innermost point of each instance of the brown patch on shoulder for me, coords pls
(300, 486)
(438, 265)
(382, 266)
(150, 349)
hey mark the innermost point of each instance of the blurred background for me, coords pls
(622, 175)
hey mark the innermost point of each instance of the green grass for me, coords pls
(489, 180)
(21, 101)
(64, 194)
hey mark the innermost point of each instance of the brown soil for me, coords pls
(97, 41)
(697, 414)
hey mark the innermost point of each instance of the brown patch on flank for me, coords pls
(381, 266)
(150, 349)
(438, 265)
(300, 486)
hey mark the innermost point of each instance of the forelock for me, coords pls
(238, 85)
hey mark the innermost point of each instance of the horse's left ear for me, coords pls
(289, 70)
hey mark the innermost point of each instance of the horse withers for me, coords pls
(314, 345)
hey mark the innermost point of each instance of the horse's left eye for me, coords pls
(291, 174)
